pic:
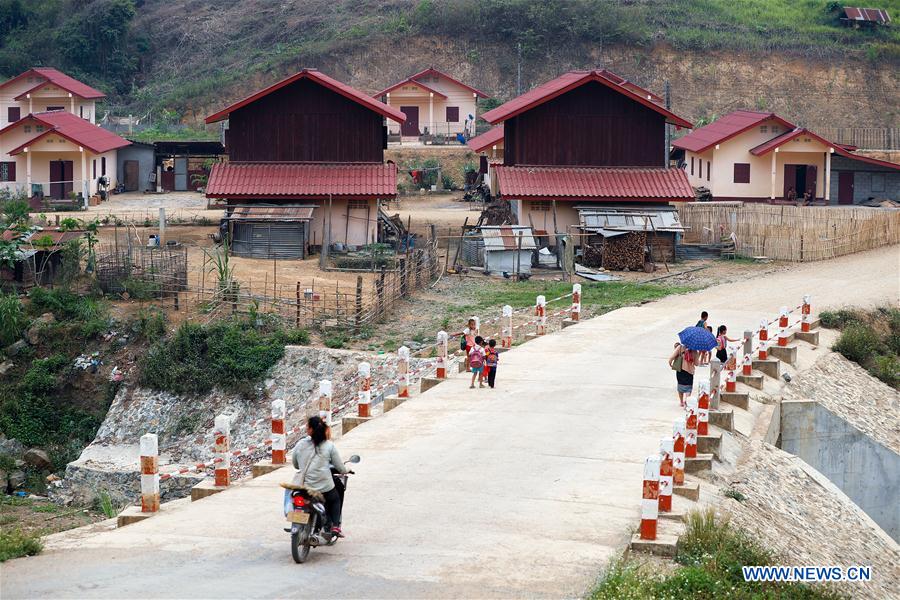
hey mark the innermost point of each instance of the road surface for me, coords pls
(526, 490)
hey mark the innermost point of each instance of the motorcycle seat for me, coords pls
(313, 494)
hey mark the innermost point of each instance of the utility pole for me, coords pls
(519, 69)
(668, 126)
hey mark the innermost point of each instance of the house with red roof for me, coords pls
(583, 141)
(762, 157)
(436, 105)
(49, 144)
(306, 167)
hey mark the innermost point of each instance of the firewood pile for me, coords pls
(624, 251)
(592, 256)
(496, 213)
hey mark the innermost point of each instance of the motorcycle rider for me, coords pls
(314, 458)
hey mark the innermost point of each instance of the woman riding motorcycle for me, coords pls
(314, 458)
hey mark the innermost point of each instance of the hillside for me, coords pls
(188, 57)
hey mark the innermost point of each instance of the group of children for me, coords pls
(722, 340)
(481, 355)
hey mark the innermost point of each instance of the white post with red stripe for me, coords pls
(690, 438)
(650, 498)
(783, 317)
(747, 365)
(403, 372)
(222, 449)
(666, 474)
(703, 408)
(279, 439)
(805, 312)
(540, 313)
(149, 473)
(507, 327)
(364, 371)
(763, 350)
(679, 435)
(576, 301)
(441, 355)
(730, 380)
(783, 337)
(325, 391)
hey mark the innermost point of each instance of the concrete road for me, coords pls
(526, 490)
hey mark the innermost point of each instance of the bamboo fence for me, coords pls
(793, 233)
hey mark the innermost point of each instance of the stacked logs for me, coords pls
(625, 251)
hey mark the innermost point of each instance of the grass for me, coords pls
(106, 506)
(708, 564)
(870, 338)
(16, 543)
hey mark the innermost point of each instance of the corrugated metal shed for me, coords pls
(663, 220)
(272, 213)
(651, 184)
(873, 15)
(300, 180)
(506, 237)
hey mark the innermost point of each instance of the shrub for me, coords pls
(336, 341)
(150, 325)
(294, 337)
(839, 318)
(887, 369)
(12, 319)
(140, 289)
(16, 543)
(858, 342)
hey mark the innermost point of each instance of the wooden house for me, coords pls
(761, 157)
(436, 105)
(583, 140)
(49, 145)
(306, 166)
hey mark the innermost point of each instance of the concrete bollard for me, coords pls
(666, 477)
(540, 313)
(222, 447)
(703, 408)
(748, 342)
(279, 439)
(149, 473)
(763, 330)
(441, 355)
(783, 338)
(730, 381)
(715, 378)
(783, 317)
(690, 438)
(576, 301)
(806, 316)
(364, 403)
(325, 391)
(403, 372)
(650, 498)
(679, 434)
(747, 365)
(507, 327)
(763, 350)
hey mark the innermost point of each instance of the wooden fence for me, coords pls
(866, 138)
(793, 233)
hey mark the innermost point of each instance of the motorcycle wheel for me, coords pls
(300, 541)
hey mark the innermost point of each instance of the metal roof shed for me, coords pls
(270, 231)
(508, 249)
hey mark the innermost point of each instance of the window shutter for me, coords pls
(13, 114)
(742, 172)
(453, 114)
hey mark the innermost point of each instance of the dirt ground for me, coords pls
(40, 516)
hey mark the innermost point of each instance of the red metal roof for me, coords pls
(301, 180)
(432, 71)
(324, 80)
(839, 149)
(72, 127)
(581, 183)
(486, 140)
(404, 82)
(569, 81)
(59, 79)
(875, 15)
(736, 123)
(57, 238)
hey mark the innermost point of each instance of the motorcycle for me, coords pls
(308, 518)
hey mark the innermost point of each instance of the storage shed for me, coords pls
(270, 231)
(508, 249)
(659, 227)
(137, 167)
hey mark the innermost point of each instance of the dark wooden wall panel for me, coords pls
(591, 125)
(305, 122)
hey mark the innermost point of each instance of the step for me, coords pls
(350, 423)
(530, 336)
(132, 514)
(754, 380)
(265, 467)
(786, 354)
(206, 488)
(769, 366)
(701, 462)
(689, 490)
(392, 402)
(568, 323)
(663, 545)
(673, 515)
(723, 418)
(426, 383)
(810, 337)
(710, 444)
(739, 399)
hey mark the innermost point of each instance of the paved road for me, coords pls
(526, 490)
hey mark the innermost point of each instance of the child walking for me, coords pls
(468, 338)
(491, 358)
(476, 361)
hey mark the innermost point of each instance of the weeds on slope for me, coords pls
(870, 338)
(710, 556)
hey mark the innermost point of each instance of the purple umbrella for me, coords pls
(697, 338)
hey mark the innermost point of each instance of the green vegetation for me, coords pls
(870, 338)
(12, 319)
(15, 543)
(232, 355)
(709, 560)
(105, 505)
